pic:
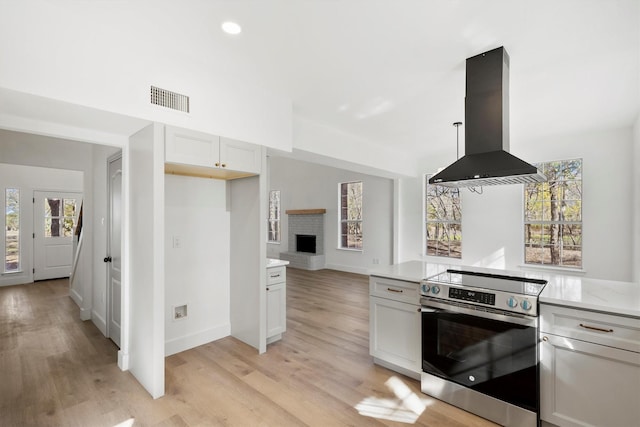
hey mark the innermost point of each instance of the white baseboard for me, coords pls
(76, 297)
(85, 313)
(347, 269)
(186, 342)
(123, 360)
(100, 322)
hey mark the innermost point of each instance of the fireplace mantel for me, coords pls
(305, 211)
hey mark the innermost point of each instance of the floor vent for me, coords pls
(166, 98)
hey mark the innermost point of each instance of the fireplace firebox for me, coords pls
(306, 243)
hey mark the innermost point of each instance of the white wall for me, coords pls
(492, 226)
(27, 179)
(197, 265)
(126, 48)
(307, 186)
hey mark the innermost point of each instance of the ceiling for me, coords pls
(391, 72)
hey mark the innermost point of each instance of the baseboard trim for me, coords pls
(123, 360)
(347, 269)
(186, 342)
(77, 298)
(99, 321)
(399, 369)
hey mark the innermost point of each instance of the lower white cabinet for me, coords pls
(394, 328)
(276, 303)
(584, 382)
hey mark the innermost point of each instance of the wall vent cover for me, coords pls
(166, 98)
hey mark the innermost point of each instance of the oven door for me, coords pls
(494, 354)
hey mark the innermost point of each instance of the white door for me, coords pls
(114, 249)
(54, 216)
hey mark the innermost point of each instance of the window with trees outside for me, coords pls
(553, 216)
(12, 230)
(351, 215)
(274, 217)
(443, 220)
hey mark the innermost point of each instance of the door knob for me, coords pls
(107, 259)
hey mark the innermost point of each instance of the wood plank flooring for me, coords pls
(56, 370)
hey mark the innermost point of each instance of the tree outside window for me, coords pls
(274, 217)
(351, 215)
(553, 216)
(443, 221)
(12, 230)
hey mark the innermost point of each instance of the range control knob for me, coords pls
(512, 302)
(525, 304)
(425, 288)
(435, 289)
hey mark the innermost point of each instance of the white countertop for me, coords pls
(570, 291)
(272, 262)
(593, 294)
(411, 271)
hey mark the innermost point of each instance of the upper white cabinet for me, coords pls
(239, 155)
(193, 153)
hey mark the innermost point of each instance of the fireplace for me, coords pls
(306, 243)
(305, 239)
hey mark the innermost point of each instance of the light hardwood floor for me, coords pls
(56, 370)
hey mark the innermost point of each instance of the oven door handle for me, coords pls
(424, 309)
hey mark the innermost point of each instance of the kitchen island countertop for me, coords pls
(609, 296)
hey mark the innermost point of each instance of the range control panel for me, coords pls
(507, 301)
(473, 296)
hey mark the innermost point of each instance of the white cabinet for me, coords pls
(589, 371)
(276, 303)
(188, 152)
(395, 325)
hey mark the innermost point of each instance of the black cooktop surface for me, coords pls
(490, 281)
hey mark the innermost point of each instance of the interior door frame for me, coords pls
(108, 301)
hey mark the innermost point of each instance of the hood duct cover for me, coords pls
(487, 160)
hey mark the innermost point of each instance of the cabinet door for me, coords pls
(585, 384)
(190, 147)
(276, 309)
(240, 156)
(395, 333)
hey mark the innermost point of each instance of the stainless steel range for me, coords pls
(480, 343)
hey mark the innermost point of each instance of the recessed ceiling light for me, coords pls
(231, 27)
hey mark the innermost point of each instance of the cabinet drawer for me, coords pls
(276, 275)
(397, 290)
(599, 328)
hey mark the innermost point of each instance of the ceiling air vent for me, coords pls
(166, 98)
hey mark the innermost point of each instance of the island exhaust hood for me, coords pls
(487, 160)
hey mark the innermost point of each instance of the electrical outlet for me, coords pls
(179, 312)
(177, 242)
(376, 261)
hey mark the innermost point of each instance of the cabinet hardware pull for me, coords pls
(595, 328)
(275, 275)
(217, 164)
(224, 165)
(267, 289)
(545, 338)
(395, 290)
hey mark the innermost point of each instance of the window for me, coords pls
(274, 217)
(59, 217)
(553, 216)
(443, 221)
(12, 230)
(351, 215)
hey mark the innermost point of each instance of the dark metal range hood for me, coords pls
(487, 160)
